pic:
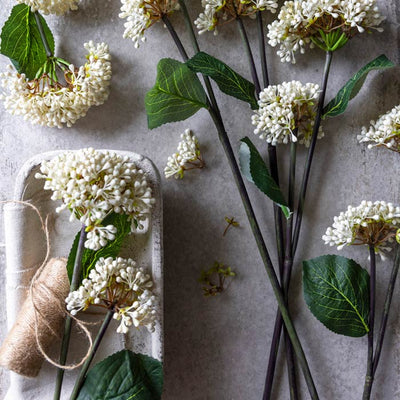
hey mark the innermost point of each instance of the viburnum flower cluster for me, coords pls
(218, 12)
(142, 14)
(286, 113)
(58, 7)
(187, 157)
(92, 184)
(374, 224)
(118, 284)
(327, 23)
(384, 132)
(49, 103)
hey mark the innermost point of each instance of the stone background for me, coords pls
(216, 349)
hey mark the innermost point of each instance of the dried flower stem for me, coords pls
(68, 321)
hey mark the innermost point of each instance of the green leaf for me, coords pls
(256, 171)
(339, 104)
(124, 376)
(226, 78)
(176, 96)
(21, 42)
(112, 249)
(336, 290)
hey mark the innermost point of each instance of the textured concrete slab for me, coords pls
(216, 349)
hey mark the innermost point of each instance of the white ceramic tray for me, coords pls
(25, 249)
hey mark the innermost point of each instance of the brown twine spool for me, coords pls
(41, 317)
(39, 320)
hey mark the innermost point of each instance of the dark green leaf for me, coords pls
(176, 96)
(124, 376)
(339, 104)
(256, 171)
(226, 78)
(336, 290)
(112, 249)
(21, 42)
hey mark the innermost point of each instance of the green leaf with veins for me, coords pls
(350, 90)
(256, 171)
(21, 41)
(336, 290)
(112, 249)
(176, 95)
(124, 376)
(229, 82)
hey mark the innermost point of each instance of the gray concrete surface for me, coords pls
(216, 349)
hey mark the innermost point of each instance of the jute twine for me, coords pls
(40, 320)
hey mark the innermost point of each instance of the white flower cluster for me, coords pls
(187, 157)
(217, 10)
(58, 7)
(141, 14)
(120, 284)
(384, 132)
(286, 113)
(369, 223)
(51, 104)
(299, 21)
(92, 184)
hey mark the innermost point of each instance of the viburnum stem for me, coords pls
(49, 53)
(249, 54)
(223, 137)
(96, 344)
(388, 302)
(263, 54)
(287, 270)
(369, 377)
(311, 150)
(76, 275)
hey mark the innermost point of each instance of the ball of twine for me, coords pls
(40, 319)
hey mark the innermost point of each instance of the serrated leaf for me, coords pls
(21, 42)
(124, 376)
(112, 249)
(336, 289)
(256, 171)
(339, 104)
(176, 96)
(229, 82)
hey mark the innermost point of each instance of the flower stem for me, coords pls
(249, 54)
(369, 377)
(223, 137)
(287, 270)
(307, 169)
(273, 164)
(261, 43)
(272, 155)
(49, 53)
(76, 275)
(386, 309)
(96, 344)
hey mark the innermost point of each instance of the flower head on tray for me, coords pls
(121, 285)
(92, 184)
